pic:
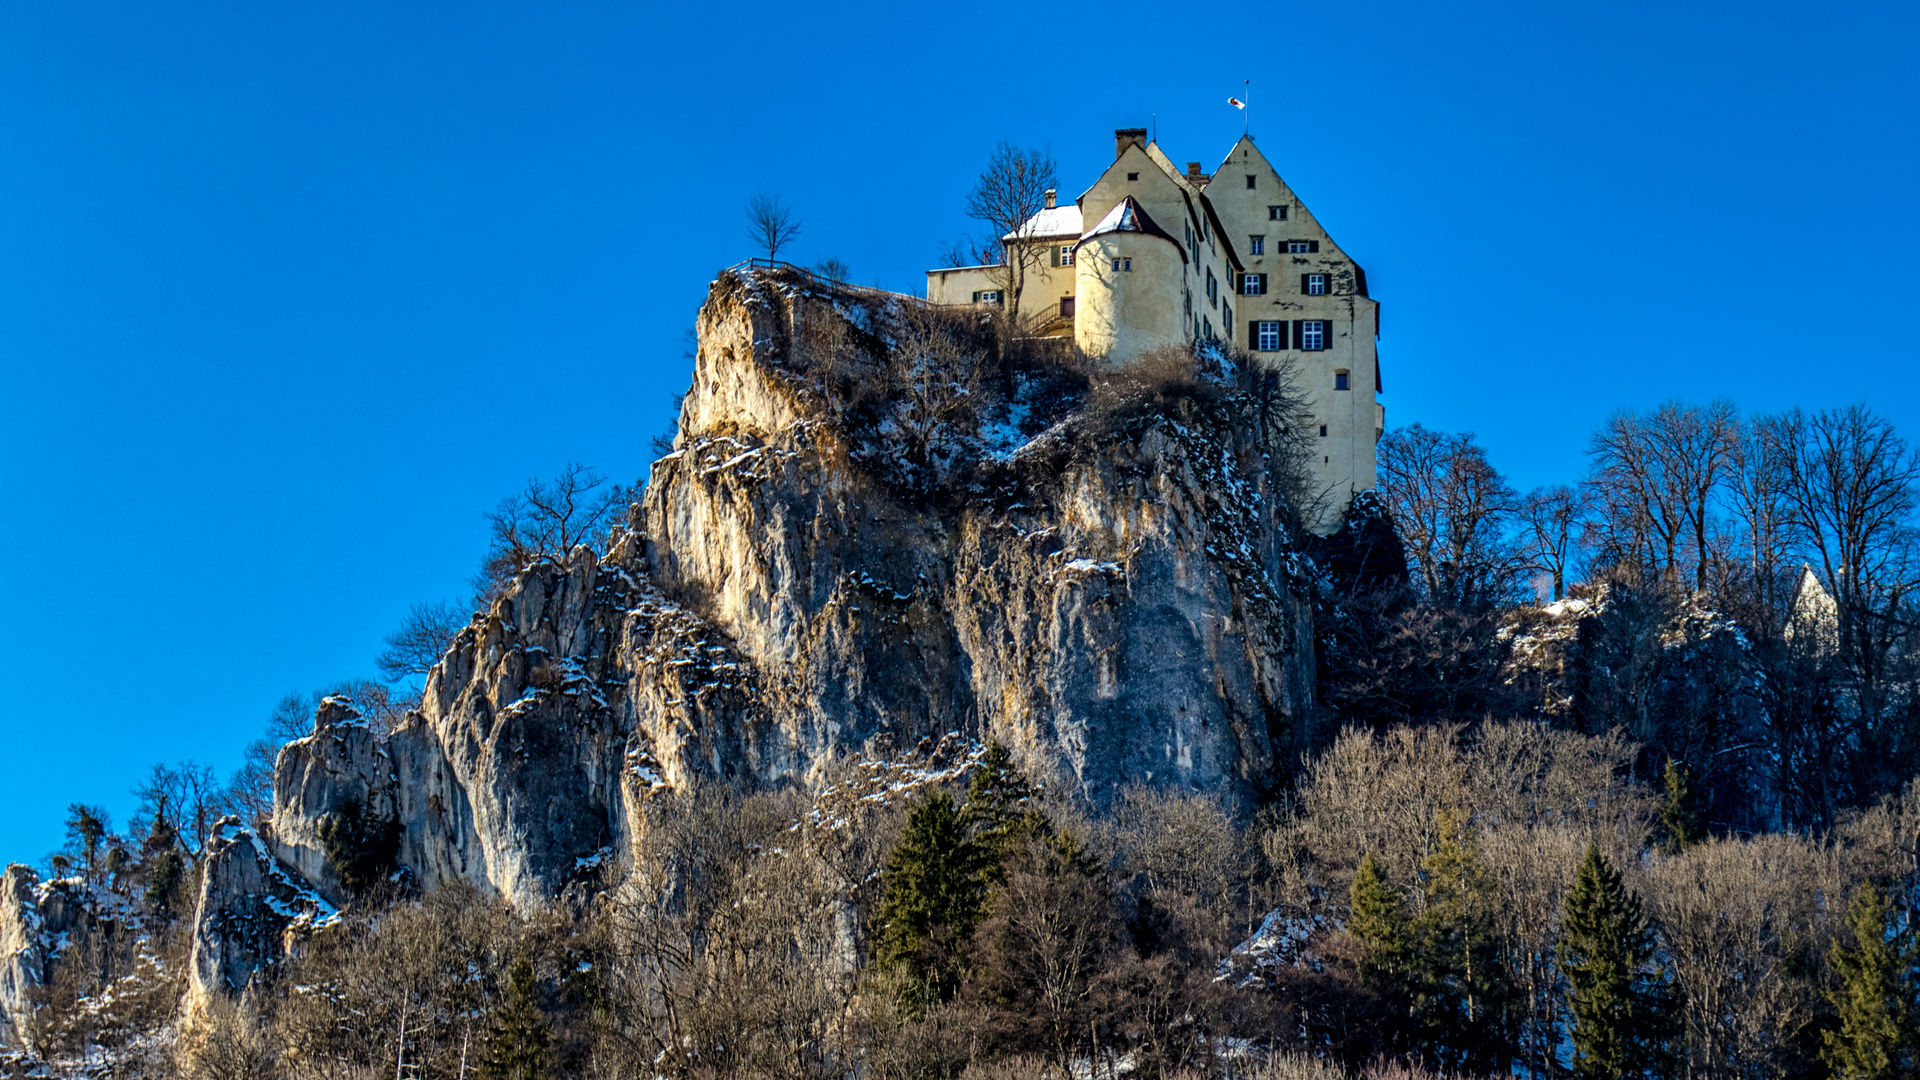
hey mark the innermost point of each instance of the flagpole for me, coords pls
(1247, 85)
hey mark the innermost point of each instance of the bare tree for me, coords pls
(1285, 413)
(833, 269)
(1452, 507)
(188, 797)
(548, 518)
(771, 224)
(1656, 478)
(1551, 519)
(422, 638)
(1850, 495)
(1007, 196)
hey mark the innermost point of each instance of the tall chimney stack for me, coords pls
(1050, 196)
(1125, 137)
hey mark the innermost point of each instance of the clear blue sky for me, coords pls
(291, 294)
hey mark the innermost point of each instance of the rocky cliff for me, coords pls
(875, 529)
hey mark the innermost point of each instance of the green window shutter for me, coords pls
(1054, 250)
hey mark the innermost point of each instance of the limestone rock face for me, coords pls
(851, 549)
(249, 907)
(339, 776)
(1111, 595)
(23, 953)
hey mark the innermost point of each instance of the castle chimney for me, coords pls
(1050, 195)
(1125, 137)
(1195, 176)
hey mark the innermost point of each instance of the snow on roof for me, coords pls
(1130, 216)
(1053, 221)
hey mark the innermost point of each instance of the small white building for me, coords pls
(1150, 256)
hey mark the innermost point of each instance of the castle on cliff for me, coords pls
(1151, 256)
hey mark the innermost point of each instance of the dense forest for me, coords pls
(1610, 779)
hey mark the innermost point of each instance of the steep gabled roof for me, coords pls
(1129, 216)
(1248, 148)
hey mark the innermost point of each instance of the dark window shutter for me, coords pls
(1253, 335)
(1055, 249)
(1303, 284)
(1298, 339)
(1313, 246)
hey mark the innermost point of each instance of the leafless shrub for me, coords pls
(1281, 408)
(548, 518)
(219, 1043)
(771, 224)
(423, 636)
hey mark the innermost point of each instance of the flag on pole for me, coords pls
(1236, 103)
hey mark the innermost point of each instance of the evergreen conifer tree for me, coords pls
(1874, 1001)
(933, 895)
(1463, 995)
(1377, 919)
(1680, 817)
(1620, 1013)
(1000, 805)
(519, 1045)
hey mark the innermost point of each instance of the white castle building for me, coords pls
(1151, 256)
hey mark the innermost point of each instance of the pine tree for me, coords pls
(519, 1045)
(1620, 1012)
(1876, 1033)
(1000, 808)
(1679, 810)
(1377, 919)
(1463, 995)
(934, 894)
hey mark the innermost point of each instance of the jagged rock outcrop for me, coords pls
(1680, 677)
(23, 953)
(249, 907)
(1111, 594)
(871, 533)
(334, 789)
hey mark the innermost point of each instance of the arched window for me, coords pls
(1340, 380)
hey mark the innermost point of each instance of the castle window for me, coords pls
(1063, 255)
(1253, 284)
(987, 296)
(1323, 431)
(1256, 245)
(1226, 320)
(1249, 183)
(1132, 176)
(1207, 329)
(1340, 381)
(1269, 336)
(1122, 265)
(1311, 334)
(1213, 289)
(1276, 213)
(1313, 284)
(1303, 247)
